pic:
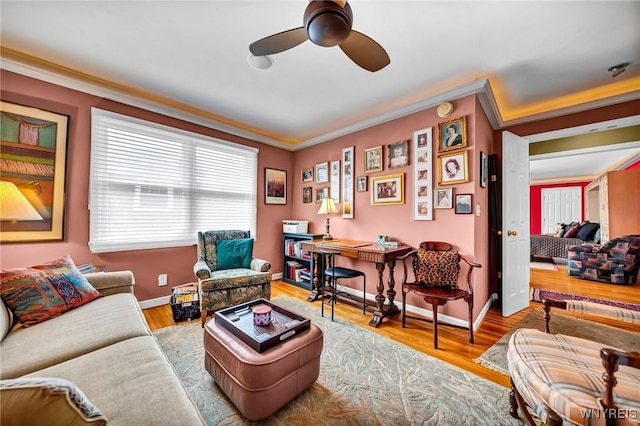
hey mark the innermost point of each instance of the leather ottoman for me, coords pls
(259, 384)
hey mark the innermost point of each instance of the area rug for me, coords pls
(365, 379)
(537, 294)
(495, 358)
(548, 266)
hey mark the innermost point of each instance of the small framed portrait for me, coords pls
(463, 204)
(346, 155)
(398, 154)
(373, 159)
(275, 191)
(307, 175)
(442, 198)
(387, 189)
(322, 172)
(321, 194)
(484, 172)
(361, 184)
(307, 194)
(452, 134)
(453, 168)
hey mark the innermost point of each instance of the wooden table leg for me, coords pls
(383, 309)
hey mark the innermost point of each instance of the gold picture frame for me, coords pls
(34, 180)
(387, 189)
(453, 168)
(452, 134)
(306, 175)
(373, 159)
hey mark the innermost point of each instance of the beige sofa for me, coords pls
(106, 350)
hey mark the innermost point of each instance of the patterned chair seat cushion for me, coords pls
(565, 374)
(232, 278)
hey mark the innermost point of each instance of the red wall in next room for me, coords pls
(535, 193)
(635, 165)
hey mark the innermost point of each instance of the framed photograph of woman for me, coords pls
(373, 159)
(463, 204)
(442, 198)
(307, 175)
(452, 134)
(307, 194)
(398, 154)
(453, 168)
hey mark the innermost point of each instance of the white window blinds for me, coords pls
(152, 186)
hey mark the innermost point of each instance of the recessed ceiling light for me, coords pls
(616, 70)
(260, 62)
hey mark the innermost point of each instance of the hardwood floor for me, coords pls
(454, 346)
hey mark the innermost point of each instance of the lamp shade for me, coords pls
(14, 205)
(327, 206)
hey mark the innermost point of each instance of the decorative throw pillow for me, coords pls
(571, 230)
(596, 236)
(439, 268)
(6, 320)
(587, 231)
(37, 293)
(236, 253)
(50, 401)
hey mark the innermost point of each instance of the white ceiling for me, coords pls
(528, 60)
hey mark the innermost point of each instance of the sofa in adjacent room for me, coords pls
(88, 360)
(616, 262)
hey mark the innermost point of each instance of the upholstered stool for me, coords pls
(259, 384)
(561, 377)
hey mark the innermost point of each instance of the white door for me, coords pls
(560, 205)
(515, 224)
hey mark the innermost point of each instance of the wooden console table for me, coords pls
(369, 252)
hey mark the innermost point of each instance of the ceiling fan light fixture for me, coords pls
(616, 70)
(326, 23)
(260, 62)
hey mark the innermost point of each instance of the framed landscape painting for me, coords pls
(275, 191)
(32, 186)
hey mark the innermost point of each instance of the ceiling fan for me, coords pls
(327, 24)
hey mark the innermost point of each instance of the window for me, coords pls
(152, 186)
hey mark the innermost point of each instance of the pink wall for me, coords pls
(145, 264)
(468, 232)
(535, 193)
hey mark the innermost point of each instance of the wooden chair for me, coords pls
(436, 267)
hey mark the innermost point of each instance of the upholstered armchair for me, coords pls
(227, 272)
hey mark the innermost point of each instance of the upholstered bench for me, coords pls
(259, 384)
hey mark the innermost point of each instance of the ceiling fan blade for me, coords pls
(365, 51)
(278, 42)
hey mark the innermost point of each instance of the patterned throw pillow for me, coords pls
(37, 293)
(439, 268)
(38, 400)
(571, 230)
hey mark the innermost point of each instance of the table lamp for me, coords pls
(327, 207)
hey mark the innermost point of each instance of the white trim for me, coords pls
(277, 276)
(152, 303)
(587, 128)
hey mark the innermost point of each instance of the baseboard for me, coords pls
(277, 276)
(152, 303)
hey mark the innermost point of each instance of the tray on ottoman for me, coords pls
(239, 321)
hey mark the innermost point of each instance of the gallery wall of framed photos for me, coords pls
(439, 153)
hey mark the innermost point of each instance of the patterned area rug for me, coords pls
(495, 358)
(548, 266)
(365, 379)
(537, 294)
